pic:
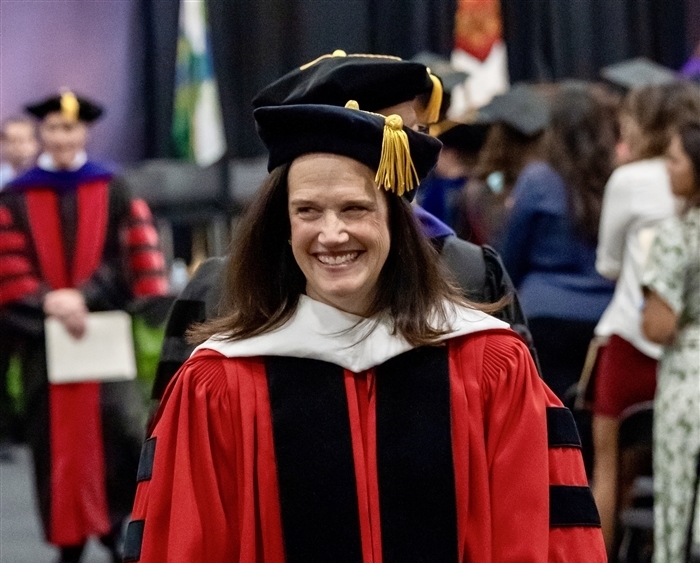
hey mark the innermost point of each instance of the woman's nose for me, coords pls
(333, 230)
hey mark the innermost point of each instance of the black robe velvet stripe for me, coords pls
(316, 471)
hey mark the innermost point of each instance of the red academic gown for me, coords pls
(449, 453)
(76, 229)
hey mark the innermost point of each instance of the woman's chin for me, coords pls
(349, 299)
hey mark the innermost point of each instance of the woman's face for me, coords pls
(63, 138)
(340, 229)
(680, 169)
(632, 137)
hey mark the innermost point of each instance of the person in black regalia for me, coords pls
(72, 241)
(351, 405)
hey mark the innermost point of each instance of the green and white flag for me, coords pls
(197, 132)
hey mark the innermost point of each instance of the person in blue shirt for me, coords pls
(549, 242)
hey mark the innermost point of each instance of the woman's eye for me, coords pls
(307, 211)
(355, 209)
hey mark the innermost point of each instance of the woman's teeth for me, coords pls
(338, 259)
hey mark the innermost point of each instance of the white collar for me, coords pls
(46, 162)
(322, 332)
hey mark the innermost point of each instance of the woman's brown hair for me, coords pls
(263, 281)
(689, 133)
(658, 110)
(580, 146)
(507, 151)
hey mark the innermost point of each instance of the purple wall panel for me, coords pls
(91, 46)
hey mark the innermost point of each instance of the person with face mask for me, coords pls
(72, 241)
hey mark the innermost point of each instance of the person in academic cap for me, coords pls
(440, 191)
(18, 151)
(637, 198)
(549, 240)
(351, 404)
(381, 84)
(516, 121)
(72, 241)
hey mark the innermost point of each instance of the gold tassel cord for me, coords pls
(70, 107)
(396, 171)
(432, 111)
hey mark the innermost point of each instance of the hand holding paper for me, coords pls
(68, 307)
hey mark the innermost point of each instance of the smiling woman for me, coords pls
(340, 229)
(318, 208)
(351, 406)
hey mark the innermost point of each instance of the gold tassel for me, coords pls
(70, 107)
(432, 111)
(396, 171)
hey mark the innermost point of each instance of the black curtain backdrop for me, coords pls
(256, 41)
(553, 39)
(160, 21)
(405, 28)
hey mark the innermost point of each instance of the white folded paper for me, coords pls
(104, 353)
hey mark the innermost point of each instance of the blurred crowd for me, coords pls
(588, 192)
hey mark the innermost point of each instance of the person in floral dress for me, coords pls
(671, 283)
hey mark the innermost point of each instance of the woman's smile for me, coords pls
(337, 259)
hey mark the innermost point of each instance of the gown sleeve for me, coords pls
(21, 287)
(194, 500)
(542, 508)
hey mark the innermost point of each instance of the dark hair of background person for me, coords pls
(263, 281)
(507, 151)
(689, 133)
(580, 145)
(658, 109)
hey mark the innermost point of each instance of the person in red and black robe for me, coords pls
(73, 241)
(350, 405)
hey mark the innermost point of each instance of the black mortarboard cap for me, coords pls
(377, 141)
(442, 68)
(637, 73)
(68, 104)
(467, 137)
(521, 108)
(376, 82)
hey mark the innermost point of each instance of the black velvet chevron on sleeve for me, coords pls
(148, 452)
(561, 428)
(572, 506)
(133, 541)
